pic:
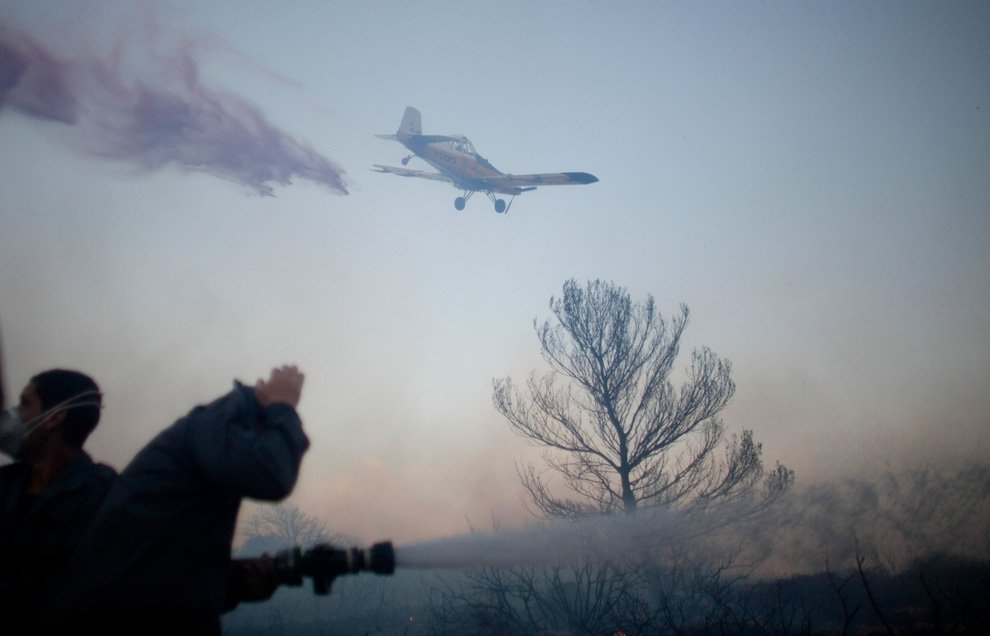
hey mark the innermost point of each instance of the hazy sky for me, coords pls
(811, 179)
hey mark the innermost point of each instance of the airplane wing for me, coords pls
(406, 172)
(554, 178)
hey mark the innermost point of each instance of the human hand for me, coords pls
(254, 579)
(284, 384)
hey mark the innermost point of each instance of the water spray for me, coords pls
(323, 562)
(545, 545)
(649, 536)
(622, 540)
(608, 539)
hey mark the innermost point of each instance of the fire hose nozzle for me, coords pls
(323, 563)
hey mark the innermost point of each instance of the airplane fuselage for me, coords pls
(466, 167)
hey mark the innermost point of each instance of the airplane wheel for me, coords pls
(459, 203)
(405, 161)
(500, 206)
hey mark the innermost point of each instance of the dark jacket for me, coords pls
(37, 537)
(157, 558)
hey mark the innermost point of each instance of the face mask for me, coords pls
(14, 430)
(11, 432)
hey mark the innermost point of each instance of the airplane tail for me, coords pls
(410, 126)
(411, 123)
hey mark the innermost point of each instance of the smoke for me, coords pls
(893, 518)
(156, 116)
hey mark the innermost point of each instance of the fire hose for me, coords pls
(323, 563)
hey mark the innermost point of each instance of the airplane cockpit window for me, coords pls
(462, 144)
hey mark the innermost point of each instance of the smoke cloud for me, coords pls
(154, 117)
(894, 518)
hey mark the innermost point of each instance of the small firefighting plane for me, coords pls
(459, 164)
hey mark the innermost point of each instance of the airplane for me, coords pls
(459, 164)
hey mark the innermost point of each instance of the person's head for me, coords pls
(73, 399)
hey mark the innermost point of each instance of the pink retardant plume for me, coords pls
(157, 117)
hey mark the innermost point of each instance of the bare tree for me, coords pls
(290, 525)
(617, 431)
(621, 437)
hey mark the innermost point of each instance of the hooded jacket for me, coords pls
(157, 558)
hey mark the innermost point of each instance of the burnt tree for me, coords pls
(615, 428)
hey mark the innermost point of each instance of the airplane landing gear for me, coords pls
(405, 160)
(501, 205)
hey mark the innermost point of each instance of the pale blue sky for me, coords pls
(811, 179)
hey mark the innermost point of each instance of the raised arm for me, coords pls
(284, 385)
